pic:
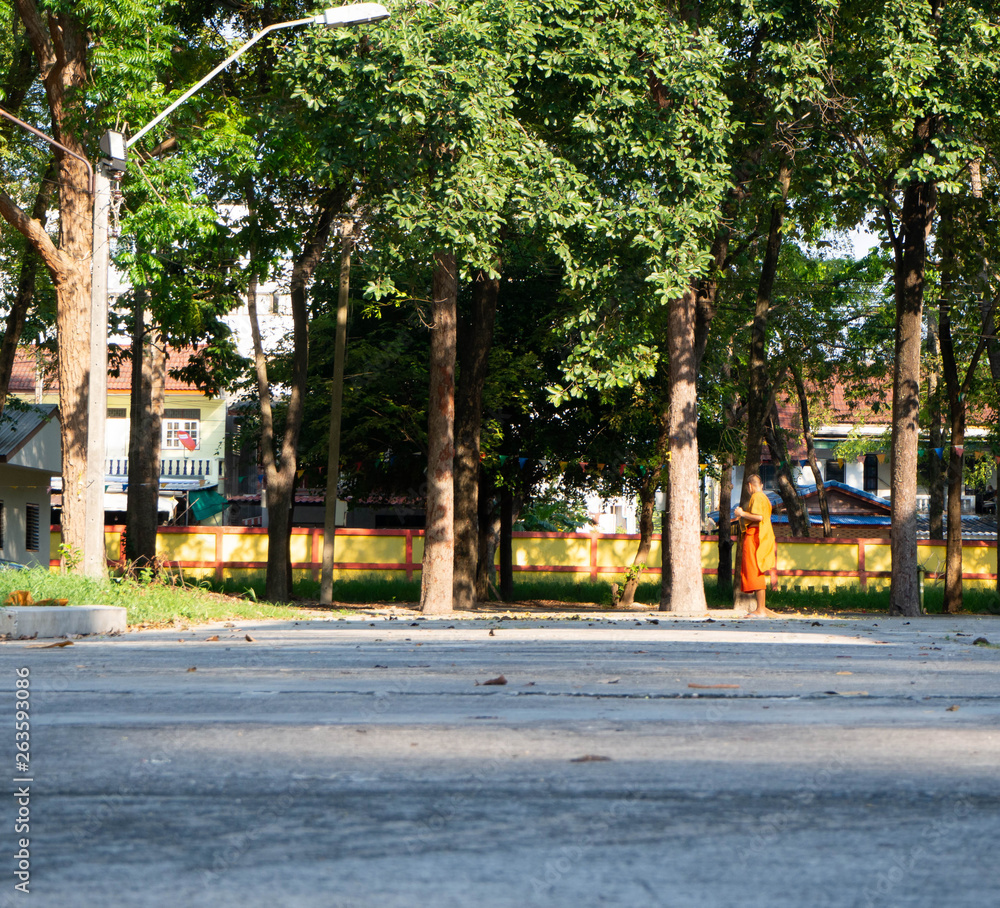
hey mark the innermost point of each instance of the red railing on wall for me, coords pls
(591, 567)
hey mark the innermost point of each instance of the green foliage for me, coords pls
(553, 513)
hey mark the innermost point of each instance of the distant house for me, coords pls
(192, 439)
(867, 474)
(30, 455)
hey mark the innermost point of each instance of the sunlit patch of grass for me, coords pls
(151, 603)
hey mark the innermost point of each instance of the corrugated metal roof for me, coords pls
(842, 520)
(809, 490)
(975, 527)
(17, 426)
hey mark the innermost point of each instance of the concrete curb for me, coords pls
(20, 621)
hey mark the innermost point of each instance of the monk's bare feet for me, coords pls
(762, 612)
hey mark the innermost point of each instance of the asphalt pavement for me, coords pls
(392, 761)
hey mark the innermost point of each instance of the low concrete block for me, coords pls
(61, 621)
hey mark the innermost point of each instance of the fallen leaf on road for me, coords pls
(851, 693)
(250, 639)
(714, 686)
(193, 668)
(499, 679)
(953, 708)
(50, 645)
(591, 758)
(491, 633)
(980, 641)
(214, 638)
(845, 673)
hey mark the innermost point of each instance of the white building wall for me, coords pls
(18, 489)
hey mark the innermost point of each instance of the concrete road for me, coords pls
(637, 762)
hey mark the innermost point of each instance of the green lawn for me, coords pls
(161, 603)
(147, 603)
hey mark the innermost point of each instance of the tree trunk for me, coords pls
(757, 401)
(666, 579)
(336, 415)
(985, 218)
(73, 329)
(149, 371)
(724, 577)
(824, 505)
(489, 536)
(476, 335)
(957, 391)
(647, 505)
(506, 543)
(935, 428)
(911, 254)
(437, 578)
(687, 594)
(795, 508)
(60, 45)
(279, 469)
(987, 307)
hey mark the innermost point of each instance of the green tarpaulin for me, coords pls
(206, 503)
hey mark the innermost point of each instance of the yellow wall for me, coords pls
(614, 556)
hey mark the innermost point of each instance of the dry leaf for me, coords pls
(499, 679)
(953, 708)
(250, 639)
(715, 686)
(212, 639)
(193, 668)
(491, 632)
(50, 645)
(591, 758)
(845, 673)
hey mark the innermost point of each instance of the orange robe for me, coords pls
(758, 546)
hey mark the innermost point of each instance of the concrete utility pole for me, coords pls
(113, 165)
(94, 561)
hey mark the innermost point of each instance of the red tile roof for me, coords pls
(22, 379)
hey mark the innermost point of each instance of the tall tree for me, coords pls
(920, 90)
(88, 57)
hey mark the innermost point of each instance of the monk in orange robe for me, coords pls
(758, 546)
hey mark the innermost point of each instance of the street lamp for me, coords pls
(355, 14)
(115, 147)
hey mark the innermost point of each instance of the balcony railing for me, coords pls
(196, 468)
(968, 503)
